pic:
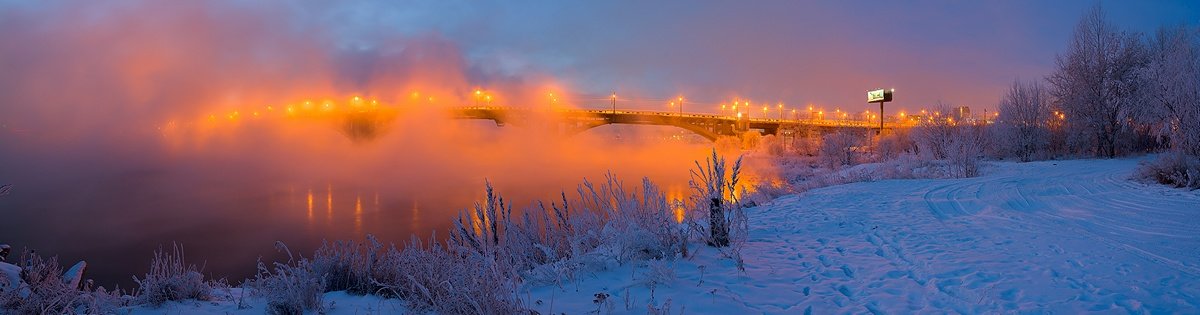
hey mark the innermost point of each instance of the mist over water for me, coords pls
(132, 126)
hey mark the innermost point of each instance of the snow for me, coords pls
(1065, 236)
(1060, 236)
(75, 274)
(11, 274)
(233, 301)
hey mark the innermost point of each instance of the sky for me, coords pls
(797, 52)
(826, 54)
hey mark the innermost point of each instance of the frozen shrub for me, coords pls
(714, 194)
(347, 265)
(964, 150)
(291, 288)
(1172, 168)
(895, 144)
(750, 139)
(728, 144)
(933, 137)
(771, 145)
(171, 279)
(43, 291)
(837, 149)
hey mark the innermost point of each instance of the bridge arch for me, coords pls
(708, 134)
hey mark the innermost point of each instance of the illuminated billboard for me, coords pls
(879, 95)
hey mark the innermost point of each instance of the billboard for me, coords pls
(880, 95)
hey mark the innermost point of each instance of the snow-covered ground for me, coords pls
(1063, 236)
(1070, 236)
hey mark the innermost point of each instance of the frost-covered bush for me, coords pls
(838, 149)
(728, 144)
(42, 290)
(347, 265)
(771, 145)
(291, 288)
(714, 195)
(965, 149)
(171, 279)
(750, 139)
(933, 137)
(895, 144)
(1173, 168)
(449, 280)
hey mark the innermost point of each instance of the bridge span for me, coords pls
(709, 126)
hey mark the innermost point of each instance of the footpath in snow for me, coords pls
(1067, 236)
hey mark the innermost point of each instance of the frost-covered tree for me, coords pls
(1022, 127)
(964, 148)
(837, 149)
(933, 137)
(1098, 82)
(1173, 98)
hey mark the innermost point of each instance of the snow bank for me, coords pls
(1060, 236)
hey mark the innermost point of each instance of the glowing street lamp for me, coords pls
(680, 105)
(780, 111)
(614, 102)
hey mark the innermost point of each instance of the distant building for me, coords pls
(961, 113)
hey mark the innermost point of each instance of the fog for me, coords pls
(132, 125)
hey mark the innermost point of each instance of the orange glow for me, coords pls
(310, 204)
(358, 214)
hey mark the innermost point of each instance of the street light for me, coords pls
(780, 111)
(614, 102)
(681, 105)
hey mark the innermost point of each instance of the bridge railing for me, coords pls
(812, 122)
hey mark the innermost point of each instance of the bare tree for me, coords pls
(1023, 121)
(933, 136)
(1097, 83)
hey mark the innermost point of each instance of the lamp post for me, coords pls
(614, 102)
(681, 106)
(780, 111)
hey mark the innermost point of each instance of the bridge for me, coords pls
(709, 126)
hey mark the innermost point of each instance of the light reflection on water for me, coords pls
(228, 208)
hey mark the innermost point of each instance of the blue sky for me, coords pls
(827, 53)
(797, 52)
